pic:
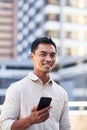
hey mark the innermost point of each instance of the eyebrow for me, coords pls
(50, 53)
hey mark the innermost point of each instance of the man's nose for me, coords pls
(48, 58)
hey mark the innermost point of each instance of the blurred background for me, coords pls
(65, 21)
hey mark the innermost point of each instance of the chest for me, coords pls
(31, 97)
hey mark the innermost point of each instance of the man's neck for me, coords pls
(43, 76)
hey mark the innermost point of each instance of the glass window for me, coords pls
(52, 2)
(71, 35)
(68, 18)
(53, 33)
(71, 18)
(68, 2)
(85, 36)
(68, 34)
(74, 3)
(71, 51)
(53, 17)
(85, 19)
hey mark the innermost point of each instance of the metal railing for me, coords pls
(81, 105)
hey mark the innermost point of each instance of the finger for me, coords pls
(34, 109)
(43, 117)
(46, 109)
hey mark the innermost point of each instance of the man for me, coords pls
(20, 107)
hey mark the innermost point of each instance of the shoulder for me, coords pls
(59, 89)
(16, 87)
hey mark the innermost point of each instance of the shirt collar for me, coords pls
(34, 77)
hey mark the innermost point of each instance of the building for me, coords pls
(64, 20)
(7, 29)
(24, 20)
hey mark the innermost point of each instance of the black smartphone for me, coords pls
(44, 102)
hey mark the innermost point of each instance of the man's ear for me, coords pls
(31, 56)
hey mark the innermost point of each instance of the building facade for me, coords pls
(24, 20)
(63, 20)
(7, 29)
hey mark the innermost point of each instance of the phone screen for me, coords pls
(44, 102)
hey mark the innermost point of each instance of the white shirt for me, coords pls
(22, 95)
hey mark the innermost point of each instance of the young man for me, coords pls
(20, 107)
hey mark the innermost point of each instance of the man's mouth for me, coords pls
(47, 65)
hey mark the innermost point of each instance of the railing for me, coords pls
(78, 115)
(79, 105)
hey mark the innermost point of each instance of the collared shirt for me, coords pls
(22, 95)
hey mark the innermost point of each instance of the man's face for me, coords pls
(44, 58)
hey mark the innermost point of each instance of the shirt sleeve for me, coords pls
(64, 123)
(10, 110)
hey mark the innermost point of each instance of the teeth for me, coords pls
(48, 65)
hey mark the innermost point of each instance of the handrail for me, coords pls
(80, 104)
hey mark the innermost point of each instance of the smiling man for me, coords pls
(44, 59)
(20, 107)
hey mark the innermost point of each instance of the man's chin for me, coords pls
(47, 71)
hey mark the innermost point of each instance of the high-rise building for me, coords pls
(63, 20)
(7, 29)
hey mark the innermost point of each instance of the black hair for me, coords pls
(44, 40)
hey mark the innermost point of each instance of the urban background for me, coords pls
(65, 21)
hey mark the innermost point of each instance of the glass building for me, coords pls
(24, 20)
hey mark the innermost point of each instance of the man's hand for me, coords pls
(39, 116)
(34, 118)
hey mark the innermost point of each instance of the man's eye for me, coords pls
(53, 55)
(43, 54)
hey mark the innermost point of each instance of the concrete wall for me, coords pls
(78, 120)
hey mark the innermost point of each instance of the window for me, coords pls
(68, 34)
(55, 17)
(85, 19)
(55, 2)
(71, 51)
(85, 36)
(71, 18)
(71, 35)
(68, 18)
(68, 2)
(53, 33)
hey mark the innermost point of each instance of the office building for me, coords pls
(24, 20)
(8, 29)
(64, 20)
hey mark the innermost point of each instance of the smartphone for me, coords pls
(44, 102)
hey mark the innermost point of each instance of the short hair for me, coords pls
(44, 40)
